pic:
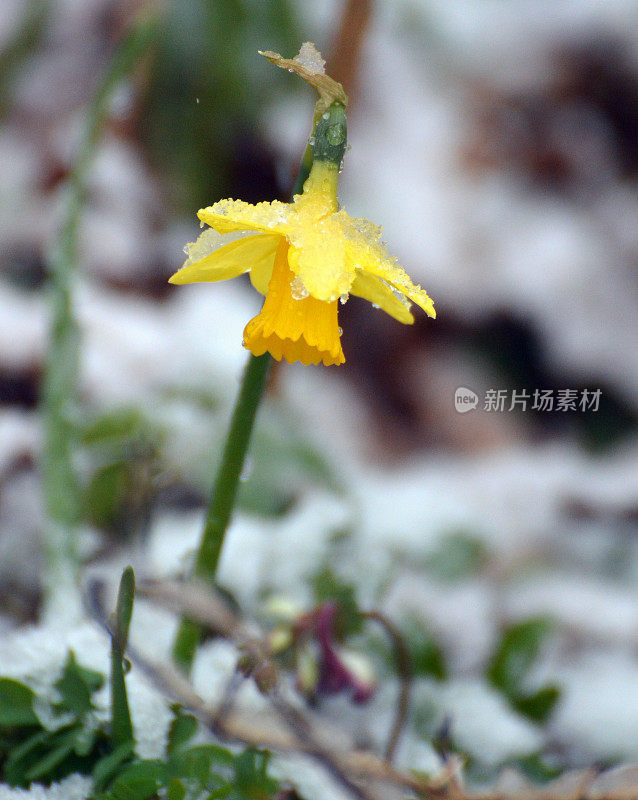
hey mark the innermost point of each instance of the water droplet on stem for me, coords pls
(247, 469)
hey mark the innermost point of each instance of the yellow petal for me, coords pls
(227, 261)
(365, 250)
(260, 275)
(318, 257)
(236, 215)
(303, 330)
(381, 294)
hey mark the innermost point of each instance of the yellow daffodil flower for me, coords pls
(305, 257)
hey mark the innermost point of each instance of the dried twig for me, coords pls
(405, 677)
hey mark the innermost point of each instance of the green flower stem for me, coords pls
(304, 171)
(223, 495)
(329, 136)
(121, 727)
(229, 470)
(62, 493)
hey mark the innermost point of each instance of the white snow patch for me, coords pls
(596, 610)
(75, 787)
(597, 716)
(482, 722)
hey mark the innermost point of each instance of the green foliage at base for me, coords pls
(44, 740)
(45, 737)
(204, 771)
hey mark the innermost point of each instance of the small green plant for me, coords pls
(46, 736)
(189, 771)
(511, 663)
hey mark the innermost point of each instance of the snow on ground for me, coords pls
(75, 787)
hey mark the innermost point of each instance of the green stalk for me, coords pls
(223, 495)
(254, 382)
(121, 726)
(62, 493)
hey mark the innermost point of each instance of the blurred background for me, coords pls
(497, 144)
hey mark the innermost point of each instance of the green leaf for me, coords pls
(538, 706)
(196, 764)
(19, 759)
(123, 423)
(517, 652)
(16, 704)
(175, 790)
(539, 768)
(86, 739)
(107, 767)
(182, 729)
(328, 587)
(515, 655)
(201, 764)
(426, 655)
(63, 745)
(222, 792)
(106, 493)
(251, 777)
(93, 679)
(74, 689)
(458, 554)
(124, 607)
(72, 740)
(284, 461)
(139, 781)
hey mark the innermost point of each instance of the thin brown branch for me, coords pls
(404, 671)
(304, 732)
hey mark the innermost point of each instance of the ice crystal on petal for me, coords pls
(298, 290)
(208, 241)
(261, 216)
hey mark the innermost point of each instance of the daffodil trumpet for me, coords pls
(305, 257)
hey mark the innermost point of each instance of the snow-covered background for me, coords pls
(497, 144)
